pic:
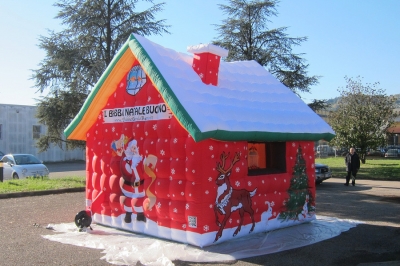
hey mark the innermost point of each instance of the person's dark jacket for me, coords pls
(352, 162)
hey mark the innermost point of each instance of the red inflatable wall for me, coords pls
(145, 173)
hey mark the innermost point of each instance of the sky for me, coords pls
(345, 38)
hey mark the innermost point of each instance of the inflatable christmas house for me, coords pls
(193, 149)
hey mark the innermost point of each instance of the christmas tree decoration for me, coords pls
(300, 203)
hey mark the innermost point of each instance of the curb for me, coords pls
(40, 192)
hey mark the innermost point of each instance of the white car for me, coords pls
(17, 166)
(322, 172)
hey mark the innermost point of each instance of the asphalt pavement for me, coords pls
(376, 242)
(67, 169)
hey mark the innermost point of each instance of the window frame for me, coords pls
(276, 165)
(36, 134)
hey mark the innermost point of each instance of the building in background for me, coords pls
(394, 131)
(20, 130)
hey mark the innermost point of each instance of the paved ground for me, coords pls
(377, 242)
(58, 170)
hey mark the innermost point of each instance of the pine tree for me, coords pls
(247, 36)
(298, 191)
(76, 57)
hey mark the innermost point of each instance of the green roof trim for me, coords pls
(164, 88)
(262, 136)
(78, 118)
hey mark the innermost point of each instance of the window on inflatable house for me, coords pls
(266, 158)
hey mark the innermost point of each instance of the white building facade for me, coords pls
(20, 130)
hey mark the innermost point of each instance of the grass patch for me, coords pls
(375, 168)
(37, 184)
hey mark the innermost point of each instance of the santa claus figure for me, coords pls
(131, 183)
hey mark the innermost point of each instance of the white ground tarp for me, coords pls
(126, 248)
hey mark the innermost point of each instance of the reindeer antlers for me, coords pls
(220, 168)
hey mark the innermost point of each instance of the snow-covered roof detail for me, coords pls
(247, 104)
(208, 48)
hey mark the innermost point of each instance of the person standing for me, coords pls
(352, 166)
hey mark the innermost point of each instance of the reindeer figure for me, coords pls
(229, 199)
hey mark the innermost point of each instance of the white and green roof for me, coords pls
(247, 104)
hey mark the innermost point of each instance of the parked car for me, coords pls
(374, 153)
(392, 153)
(342, 152)
(325, 150)
(322, 172)
(17, 166)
